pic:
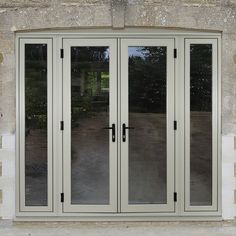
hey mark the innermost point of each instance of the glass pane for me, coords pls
(147, 114)
(89, 115)
(200, 124)
(36, 125)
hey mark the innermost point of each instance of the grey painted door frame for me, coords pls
(181, 39)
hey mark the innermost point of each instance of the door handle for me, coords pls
(124, 128)
(113, 128)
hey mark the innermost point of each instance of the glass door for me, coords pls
(147, 130)
(90, 125)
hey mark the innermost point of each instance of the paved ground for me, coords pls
(147, 161)
(7, 228)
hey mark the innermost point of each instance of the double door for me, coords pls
(118, 137)
(118, 124)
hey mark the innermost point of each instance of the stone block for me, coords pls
(1, 198)
(25, 3)
(84, 2)
(118, 13)
(197, 3)
(8, 141)
(234, 58)
(1, 58)
(0, 88)
(235, 196)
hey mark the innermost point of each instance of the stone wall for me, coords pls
(19, 15)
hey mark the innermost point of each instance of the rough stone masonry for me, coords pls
(18, 15)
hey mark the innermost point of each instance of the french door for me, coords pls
(147, 115)
(95, 127)
(90, 120)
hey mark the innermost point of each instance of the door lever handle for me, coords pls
(113, 128)
(124, 128)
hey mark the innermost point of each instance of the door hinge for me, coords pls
(62, 53)
(62, 197)
(175, 52)
(62, 125)
(175, 125)
(175, 196)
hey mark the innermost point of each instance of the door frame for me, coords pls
(179, 36)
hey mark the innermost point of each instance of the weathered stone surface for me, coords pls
(192, 3)
(194, 14)
(213, 18)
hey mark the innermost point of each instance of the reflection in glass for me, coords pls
(200, 124)
(147, 114)
(36, 125)
(89, 115)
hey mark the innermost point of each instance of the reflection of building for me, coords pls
(90, 80)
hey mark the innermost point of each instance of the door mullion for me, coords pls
(118, 125)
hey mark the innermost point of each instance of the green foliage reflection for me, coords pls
(35, 86)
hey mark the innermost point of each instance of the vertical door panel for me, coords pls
(35, 125)
(201, 124)
(147, 115)
(90, 130)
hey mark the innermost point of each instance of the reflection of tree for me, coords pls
(89, 57)
(36, 86)
(201, 77)
(147, 80)
(90, 81)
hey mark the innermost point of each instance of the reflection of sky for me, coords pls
(106, 53)
(135, 52)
